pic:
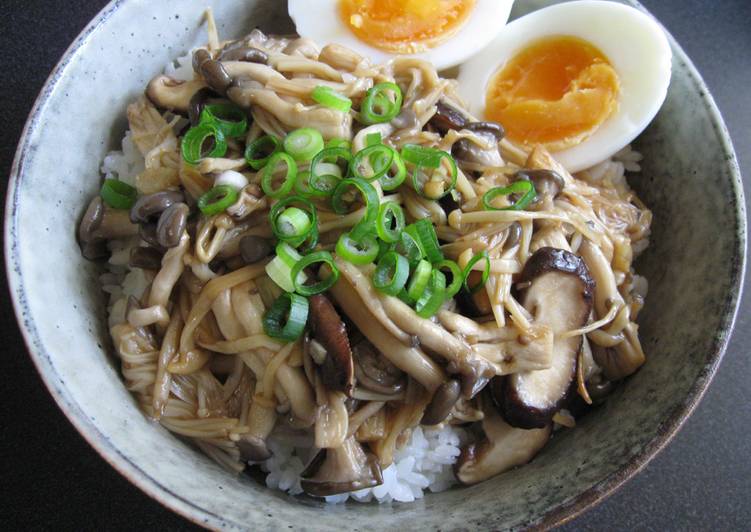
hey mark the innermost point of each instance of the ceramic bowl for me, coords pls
(690, 180)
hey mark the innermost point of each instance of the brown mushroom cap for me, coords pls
(560, 296)
(376, 372)
(337, 370)
(342, 469)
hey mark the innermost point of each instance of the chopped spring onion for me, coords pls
(372, 138)
(279, 269)
(483, 255)
(439, 181)
(456, 276)
(390, 222)
(258, 152)
(227, 117)
(419, 280)
(323, 179)
(339, 143)
(194, 140)
(311, 231)
(231, 178)
(391, 274)
(424, 233)
(370, 196)
(433, 296)
(373, 162)
(270, 171)
(217, 199)
(328, 97)
(421, 155)
(293, 223)
(302, 144)
(286, 317)
(526, 188)
(118, 194)
(359, 252)
(409, 247)
(301, 183)
(320, 286)
(378, 107)
(395, 175)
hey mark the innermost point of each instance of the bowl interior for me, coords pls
(694, 266)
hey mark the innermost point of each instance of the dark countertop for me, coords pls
(51, 478)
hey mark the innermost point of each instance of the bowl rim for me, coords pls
(205, 517)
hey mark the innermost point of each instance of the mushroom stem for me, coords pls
(409, 359)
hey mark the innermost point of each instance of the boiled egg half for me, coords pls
(581, 78)
(444, 32)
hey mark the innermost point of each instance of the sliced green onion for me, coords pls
(395, 175)
(293, 223)
(372, 139)
(286, 317)
(278, 159)
(373, 162)
(258, 152)
(217, 199)
(435, 186)
(456, 276)
(409, 247)
(390, 222)
(302, 186)
(118, 194)
(370, 197)
(421, 155)
(526, 188)
(302, 144)
(359, 252)
(328, 97)
(424, 233)
(310, 234)
(279, 269)
(322, 180)
(230, 119)
(419, 280)
(433, 296)
(339, 143)
(402, 295)
(320, 286)
(378, 107)
(483, 255)
(196, 137)
(391, 273)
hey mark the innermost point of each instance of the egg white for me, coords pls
(320, 21)
(634, 43)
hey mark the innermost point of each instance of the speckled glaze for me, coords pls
(695, 267)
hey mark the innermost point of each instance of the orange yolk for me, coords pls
(404, 26)
(555, 92)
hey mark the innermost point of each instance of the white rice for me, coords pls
(424, 463)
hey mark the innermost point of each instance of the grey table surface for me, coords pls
(51, 479)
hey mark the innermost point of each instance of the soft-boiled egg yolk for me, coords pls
(555, 92)
(405, 26)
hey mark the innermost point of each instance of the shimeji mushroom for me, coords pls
(342, 469)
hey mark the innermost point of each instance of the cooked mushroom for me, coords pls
(254, 248)
(339, 470)
(216, 75)
(253, 449)
(468, 150)
(148, 258)
(374, 371)
(197, 102)
(148, 207)
(244, 53)
(171, 225)
(474, 304)
(444, 399)
(504, 447)
(548, 183)
(559, 295)
(337, 371)
(446, 117)
(172, 94)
